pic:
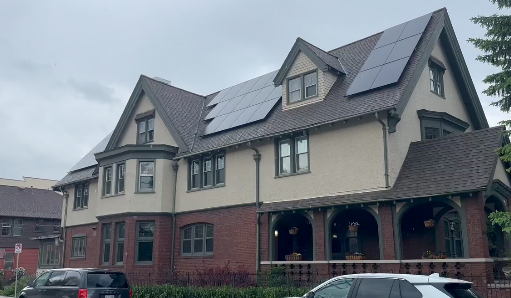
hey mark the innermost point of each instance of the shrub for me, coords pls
(215, 292)
(2, 276)
(22, 282)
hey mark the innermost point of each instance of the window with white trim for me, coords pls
(145, 176)
(81, 196)
(303, 87)
(197, 240)
(107, 181)
(121, 173)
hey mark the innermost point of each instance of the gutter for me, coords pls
(64, 222)
(385, 150)
(257, 159)
(175, 167)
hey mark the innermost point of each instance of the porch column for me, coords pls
(476, 225)
(265, 237)
(387, 231)
(319, 235)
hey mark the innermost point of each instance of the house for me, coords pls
(29, 182)
(378, 151)
(28, 214)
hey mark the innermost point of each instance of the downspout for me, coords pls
(64, 223)
(385, 150)
(175, 167)
(257, 159)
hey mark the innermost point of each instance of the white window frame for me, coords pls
(108, 173)
(121, 176)
(139, 175)
(306, 86)
(299, 90)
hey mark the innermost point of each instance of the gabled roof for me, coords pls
(323, 60)
(439, 167)
(30, 202)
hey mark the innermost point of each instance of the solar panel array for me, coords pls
(389, 57)
(89, 159)
(244, 103)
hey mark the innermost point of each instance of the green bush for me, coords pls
(214, 292)
(22, 282)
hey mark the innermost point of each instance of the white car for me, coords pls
(375, 285)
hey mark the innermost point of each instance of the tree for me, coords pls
(497, 52)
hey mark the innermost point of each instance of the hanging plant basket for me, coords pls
(293, 257)
(293, 231)
(353, 229)
(429, 223)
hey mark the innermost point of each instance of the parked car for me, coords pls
(80, 283)
(374, 285)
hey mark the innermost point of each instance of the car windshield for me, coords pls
(106, 280)
(461, 291)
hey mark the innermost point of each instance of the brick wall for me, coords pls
(476, 225)
(92, 247)
(387, 228)
(234, 239)
(319, 235)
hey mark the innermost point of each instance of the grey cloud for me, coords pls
(94, 91)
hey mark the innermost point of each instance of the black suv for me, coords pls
(78, 283)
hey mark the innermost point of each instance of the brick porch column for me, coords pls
(319, 235)
(387, 231)
(476, 225)
(264, 247)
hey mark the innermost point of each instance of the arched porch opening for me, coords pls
(496, 240)
(431, 230)
(293, 233)
(362, 240)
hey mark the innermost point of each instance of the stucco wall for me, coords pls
(501, 174)
(161, 133)
(408, 129)
(130, 201)
(301, 65)
(83, 216)
(344, 158)
(29, 182)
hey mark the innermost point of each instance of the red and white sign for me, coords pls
(17, 248)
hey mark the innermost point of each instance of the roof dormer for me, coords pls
(307, 74)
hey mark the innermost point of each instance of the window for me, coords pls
(436, 78)
(457, 290)
(119, 247)
(146, 176)
(49, 255)
(337, 288)
(42, 279)
(293, 155)
(145, 242)
(145, 130)
(72, 279)
(207, 172)
(440, 124)
(56, 226)
(107, 181)
(107, 233)
(109, 280)
(56, 278)
(78, 247)
(9, 261)
(303, 87)
(6, 227)
(81, 196)
(39, 225)
(197, 240)
(453, 239)
(374, 287)
(121, 172)
(17, 229)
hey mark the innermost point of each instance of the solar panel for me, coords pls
(244, 103)
(389, 56)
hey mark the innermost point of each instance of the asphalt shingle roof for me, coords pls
(77, 176)
(30, 202)
(329, 59)
(453, 164)
(186, 109)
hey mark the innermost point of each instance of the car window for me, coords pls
(106, 280)
(461, 291)
(408, 290)
(56, 278)
(42, 279)
(72, 278)
(337, 289)
(374, 287)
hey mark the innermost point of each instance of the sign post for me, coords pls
(17, 250)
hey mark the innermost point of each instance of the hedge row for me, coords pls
(215, 292)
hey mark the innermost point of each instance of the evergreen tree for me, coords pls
(497, 52)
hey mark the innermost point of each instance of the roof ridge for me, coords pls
(152, 79)
(318, 48)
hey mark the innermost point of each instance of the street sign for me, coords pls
(17, 248)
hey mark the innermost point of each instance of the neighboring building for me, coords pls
(386, 131)
(28, 182)
(27, 214)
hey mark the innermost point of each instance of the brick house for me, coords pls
(29, 216)
(387, 132)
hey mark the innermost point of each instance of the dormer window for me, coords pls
(303, 87)
(145, 127)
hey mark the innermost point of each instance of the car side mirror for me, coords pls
(309, 295)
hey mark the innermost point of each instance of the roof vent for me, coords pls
(162, 80)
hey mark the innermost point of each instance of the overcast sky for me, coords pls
(67, 68)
